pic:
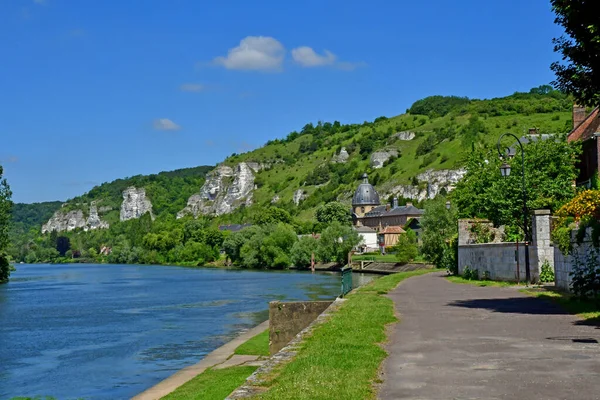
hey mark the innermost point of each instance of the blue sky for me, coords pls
(91, 91)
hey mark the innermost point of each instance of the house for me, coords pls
(368, 211)
(369, 239)
(586, 128)
(389, 235)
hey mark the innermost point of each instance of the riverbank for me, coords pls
(213, 359)
(342, 356)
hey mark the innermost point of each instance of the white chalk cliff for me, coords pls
(225, 189)
(135, 204)
(63, 221)
(430, 185)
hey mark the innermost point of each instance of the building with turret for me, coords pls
(367, 209)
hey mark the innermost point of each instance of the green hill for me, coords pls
(445, 130)
(435, 133)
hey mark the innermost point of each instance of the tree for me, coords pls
(580, 76)
(333, 212)
(439, 225)
(406, 249)
(549, 174)
(336, 242)
(5, 207)
(302, 251)
(272, 215)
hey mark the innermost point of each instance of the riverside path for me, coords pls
(457, 341)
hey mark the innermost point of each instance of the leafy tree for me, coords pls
(439, 225)
(272, 215)
(302, 251)
(549, 173)
(580, 76)
(406, 249)
(336, 242)
(5, 207)
(333, 212)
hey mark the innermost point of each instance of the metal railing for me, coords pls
(346, 280)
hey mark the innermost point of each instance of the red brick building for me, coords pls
(586, 127)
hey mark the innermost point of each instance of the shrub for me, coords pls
(547, 272)
(470, 274)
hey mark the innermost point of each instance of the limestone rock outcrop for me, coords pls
(299, 195)
(135, 204)
(93, 220)
(225, 189)
(380, 157)
(342, 157)
(66, 221)
(404, 135)
(430, 185)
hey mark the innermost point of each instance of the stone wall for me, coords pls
(286, 320)
(564, 263)
(499, 259)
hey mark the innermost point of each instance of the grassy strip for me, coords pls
(256, 346)
(341, 358)
(585, 309)
(460, 279)
(212, 384)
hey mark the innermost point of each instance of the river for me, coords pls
(111, 331)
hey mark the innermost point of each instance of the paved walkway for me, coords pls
(459, 341)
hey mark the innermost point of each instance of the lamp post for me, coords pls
(505, 171)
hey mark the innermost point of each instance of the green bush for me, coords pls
(547, 272)
(470, 274)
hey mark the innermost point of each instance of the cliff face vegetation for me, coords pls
(416, 155)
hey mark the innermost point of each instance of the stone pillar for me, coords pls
(541, 245)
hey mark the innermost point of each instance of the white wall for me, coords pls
(369, 239)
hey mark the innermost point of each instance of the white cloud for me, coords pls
(10, 159)
(307, 57)
(165, 124)
(254, 53)
(192, 87)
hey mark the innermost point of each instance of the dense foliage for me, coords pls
(549, 175)
(5, 207)
(407, 248)
(580, 48)
(440, 231)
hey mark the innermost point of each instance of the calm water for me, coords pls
(112, 331)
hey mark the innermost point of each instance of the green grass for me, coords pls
(212, 384)
(387, 258)
(341, 358)
(460, 279)
(256, 346)
(585, 309)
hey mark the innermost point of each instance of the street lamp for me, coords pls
(505, 171)
(448, 205)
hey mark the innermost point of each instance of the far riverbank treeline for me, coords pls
(275, 239)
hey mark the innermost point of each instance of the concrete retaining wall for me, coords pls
(286, 320)
(499, 260)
